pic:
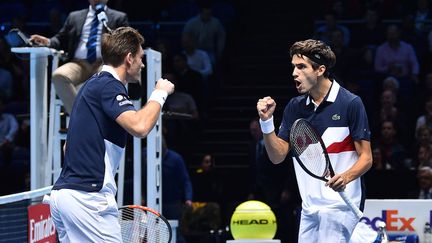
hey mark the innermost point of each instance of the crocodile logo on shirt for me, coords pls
(336, 117)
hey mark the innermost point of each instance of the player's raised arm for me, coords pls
(140, 123)
(276, 147)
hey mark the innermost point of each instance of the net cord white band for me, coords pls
(25, 195)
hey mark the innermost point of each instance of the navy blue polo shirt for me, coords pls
(340, 120)
(95, 141)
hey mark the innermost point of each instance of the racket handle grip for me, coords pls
(353, 207)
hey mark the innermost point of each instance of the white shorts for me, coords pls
(85, 216)
(332, 226)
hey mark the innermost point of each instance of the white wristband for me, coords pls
(159, 96)
(267, 126)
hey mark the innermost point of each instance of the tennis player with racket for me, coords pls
(340, 120)
(83, 205)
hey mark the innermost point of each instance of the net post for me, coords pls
(154, 143)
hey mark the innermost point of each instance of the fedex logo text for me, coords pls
(392, 220)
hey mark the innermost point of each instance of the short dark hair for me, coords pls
(317, 51)
(117, 44)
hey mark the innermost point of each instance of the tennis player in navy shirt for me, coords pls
(340, 118)
(83, 205)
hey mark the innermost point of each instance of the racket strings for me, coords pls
(141, 226)
(307, 146)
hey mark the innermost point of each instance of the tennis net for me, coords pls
(14, 220)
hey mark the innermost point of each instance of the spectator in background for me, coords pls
(189, 81)
(370, 33)
(392, 84)
(388, 110)
(206, 181)
(377, 159)
(180, 127)
(8, 131)
(421, 148)
(198, 60)
(424, 156)
(423, 16)
(76, 38)
(346, 57)
(393, 153)
(398, 58)
(270, 184)
(412, 35)
(177, 190)
(205, 214)
(161, 45)
(268, 178)
(424, 179)
(208, 32)
(13, 76)
(426, 118)
(324, 32)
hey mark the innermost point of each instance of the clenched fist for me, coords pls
(265, 107)
(165, 85)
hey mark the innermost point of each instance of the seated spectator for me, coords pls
(208, 32)
(8, 131)
(346, 58)
(398, 59)
(189, 81)
(206, 181)
(270, 184)
(426, 118)
(388, 109)
(198, 60)
(393, 152)
(423, 16)
(392, 84)
(14, 74)
(163, 46)
(177, 190)
(324, 32)
(413, 36)
(180, 128)
(181, 102)
(80, 37)
(268, 180)
(377, 159)
(5, 84)
(370, 33)
(421, 147)
(424, 156)
(424, 180)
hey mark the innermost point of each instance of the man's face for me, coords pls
(207, 163)
(95, 2)
(387, 98)
(425, 180)
(304, 75)
(134, 71)
(423, 154)
(387, 130)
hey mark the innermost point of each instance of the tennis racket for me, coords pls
(141, 224)
(311, 154)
